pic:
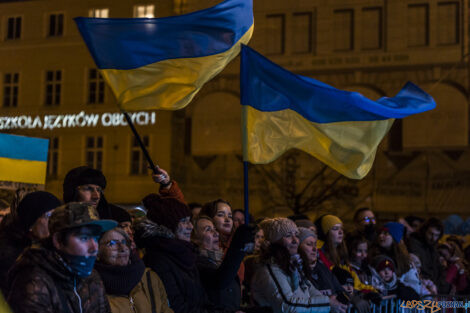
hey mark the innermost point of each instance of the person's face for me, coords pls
(361, 252)
(89, 193)
(309, 247)
(291, 242)
(40, 228)
(238, 219)
(445, 254)
(365, 218)
(336, 234)
(127, 227)
(385, 239)
(84, 242)
(386, 274)
(223, 219)
(432, 235)
(195, 211)
(415, 225)
(3, 213)
(349, 288)
(259, 238)
(114, 249)
(207, 235)
(184, 229)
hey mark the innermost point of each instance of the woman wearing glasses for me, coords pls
(130, 286)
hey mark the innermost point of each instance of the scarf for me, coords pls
(391, 285)
(298, 275)
(215, 257)
(120, 280)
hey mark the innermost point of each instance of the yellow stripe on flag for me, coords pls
(23, 171)
(347, 147)
(169, 84)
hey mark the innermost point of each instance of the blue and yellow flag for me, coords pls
(23, 159)
(282, 110)
(161, 63)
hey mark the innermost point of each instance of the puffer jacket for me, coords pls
(139, 299)
(41, 283)
(271, 286)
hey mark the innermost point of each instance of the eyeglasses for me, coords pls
(113, 243)
(369, 219)
(87, 188)
(48, 214)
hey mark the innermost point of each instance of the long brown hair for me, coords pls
(338, 255)
(277, 253)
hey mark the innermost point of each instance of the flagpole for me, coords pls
(141, 144)
(246, 193)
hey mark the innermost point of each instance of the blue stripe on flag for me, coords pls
(133, 43)
(23, 148)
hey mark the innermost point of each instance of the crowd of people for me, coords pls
(84, 254)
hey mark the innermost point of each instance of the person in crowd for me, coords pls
(320, 276)
(333, 250)
(130, 286)
(358, 258)
(219, 274)
(165, 235)
(385, 267)
(4, 209)
(424, 287)
(29, 225)
(195, 208)
(454, 269)
(251, 265)
(238, 218)
(423, 244)
(389, 242)
(220, 211)
(58, 276)
(280, 281)
(415, 222)
(365, 221)
(306, 223)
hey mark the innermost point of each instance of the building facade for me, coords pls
(52, 88)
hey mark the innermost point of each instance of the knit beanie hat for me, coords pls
(304, 233)
(382, 261)
(33, 206)
(304, 223)
(78, 176)
(276, 228)
(167, 212)
(325, 223)
(396, 230)
(343, 276)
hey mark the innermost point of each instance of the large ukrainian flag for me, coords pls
(23, 159)
(343, 129)
(161, 63)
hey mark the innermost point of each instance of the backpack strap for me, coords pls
(152, 298)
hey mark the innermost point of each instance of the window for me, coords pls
(371, 28)
(10, 89)
(53, 157)
(418, 25)
(53, 87)
(138, 160)
(13, 28)
(275, 34)
(144, 11)
(302, 29)
(102, 13)
(94, 152)
(343, 27)
(56, 25)
(95, 87)
(448, 21)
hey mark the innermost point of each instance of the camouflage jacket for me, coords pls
(40, 282)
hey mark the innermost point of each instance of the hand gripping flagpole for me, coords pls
(141, 143)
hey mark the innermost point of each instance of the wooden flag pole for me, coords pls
(141, 144)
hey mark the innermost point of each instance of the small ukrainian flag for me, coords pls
(282, 110)
(161, 63)
(23, 159)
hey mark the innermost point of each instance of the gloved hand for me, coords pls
(243, 236)
(373, 297)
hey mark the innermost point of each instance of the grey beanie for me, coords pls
(304, 233)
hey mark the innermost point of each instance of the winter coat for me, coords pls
(174, 261)
(430, 266)
(13, 241)
(139, 299)
(40, 282)
(128, 290)
(271, 286)
(397, 288)
(324, 280)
